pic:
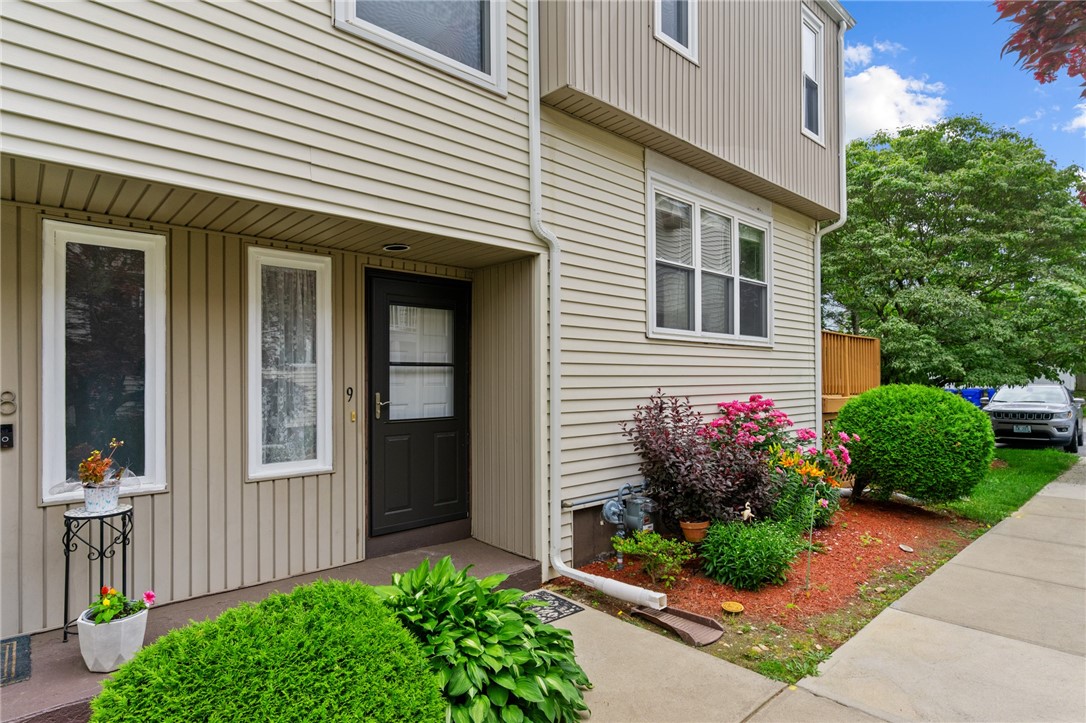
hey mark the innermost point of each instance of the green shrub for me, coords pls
(661, 558)
(496, 661)
(921, 441)
(748, 556)
(798, 502)
(326, 651)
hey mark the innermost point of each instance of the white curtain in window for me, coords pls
(288, 338)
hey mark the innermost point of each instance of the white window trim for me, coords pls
(810, 20)
(258, 470)
(739, 214)
(690, 53)
(55, 236)
(345, 19)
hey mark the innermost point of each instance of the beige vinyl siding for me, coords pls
(269, 102)
(211, 531)
(594, 200)
(736, 114)
(503, 482)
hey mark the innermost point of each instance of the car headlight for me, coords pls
(1063, 415)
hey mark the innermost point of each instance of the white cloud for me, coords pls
(857, 55)
(1038, 115)
(1078, 122)
(878, 98)
(889, 46)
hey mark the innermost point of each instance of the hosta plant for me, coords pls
(495, 660)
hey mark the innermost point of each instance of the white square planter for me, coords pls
(108, 646)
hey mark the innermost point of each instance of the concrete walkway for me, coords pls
(996, 634)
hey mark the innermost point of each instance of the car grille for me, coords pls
(1023, 416)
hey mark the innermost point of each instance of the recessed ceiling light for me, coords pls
(396, 247)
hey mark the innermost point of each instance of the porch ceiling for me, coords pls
(67, 188)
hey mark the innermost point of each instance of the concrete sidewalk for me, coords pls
(996, 634)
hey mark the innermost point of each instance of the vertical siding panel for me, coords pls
(218, 479)
(180, 560)
(306, 509)
(199, 415)
(286, 536)
(241, 498)
(502, 474)
(267, 538)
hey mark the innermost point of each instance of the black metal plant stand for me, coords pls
(76, 524)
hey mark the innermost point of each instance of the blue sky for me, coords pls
(912, 63)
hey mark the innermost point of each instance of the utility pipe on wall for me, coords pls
(614, 588)
(819, 233)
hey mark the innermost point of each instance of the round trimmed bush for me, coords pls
(921, 441)
(326, 651)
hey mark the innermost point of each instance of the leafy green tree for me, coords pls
(964, 252)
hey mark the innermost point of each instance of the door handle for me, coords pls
(377, 404)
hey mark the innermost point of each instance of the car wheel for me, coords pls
(1076, 437)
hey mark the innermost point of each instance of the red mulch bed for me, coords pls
(863, 539)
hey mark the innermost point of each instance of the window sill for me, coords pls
(76, 497)
(679, 48)
(288, 474)
(817, 139)
(693, 338)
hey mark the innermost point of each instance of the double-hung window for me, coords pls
(676, 25)
(710, 268)
(812, 59)
(290, 363)
(103, 355)
(463, 37)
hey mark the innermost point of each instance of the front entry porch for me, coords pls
(60, 687)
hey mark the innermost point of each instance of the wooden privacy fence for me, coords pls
(850, 366)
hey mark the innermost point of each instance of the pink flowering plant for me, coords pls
(693, 474)
(808, 477)
(755, 424)
(113, 605)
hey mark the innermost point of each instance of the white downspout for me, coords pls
(614, 588)
(841, 27)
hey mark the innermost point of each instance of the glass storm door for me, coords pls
(418, 401)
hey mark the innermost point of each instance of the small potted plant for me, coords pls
(111, 630)
(101, 491)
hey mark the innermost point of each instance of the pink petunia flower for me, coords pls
(149, 598)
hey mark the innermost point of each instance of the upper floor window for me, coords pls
(812, 94)
(462, 37)
(290, 363)
(103, 355)
(676, 25)
(710, 265)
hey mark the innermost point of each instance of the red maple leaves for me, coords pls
(1050, 36)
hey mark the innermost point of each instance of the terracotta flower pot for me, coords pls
(108, 646)
(694, 531)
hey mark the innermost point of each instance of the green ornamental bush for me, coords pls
(661, 558)
(921, 441)
(326, 651)
(748, 556)
(496, 661)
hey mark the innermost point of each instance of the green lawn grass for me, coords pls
(1005, 489)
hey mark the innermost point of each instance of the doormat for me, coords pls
(15, 659)
(549, 607)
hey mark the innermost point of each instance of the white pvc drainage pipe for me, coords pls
(614, 588)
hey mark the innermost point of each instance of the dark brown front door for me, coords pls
(418, 400)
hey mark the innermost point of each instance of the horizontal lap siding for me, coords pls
(269, 101)
(211, 531)
(594, 200)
